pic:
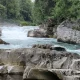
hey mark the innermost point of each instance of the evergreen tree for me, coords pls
(2, 11)
(25, 9)
(42, 10)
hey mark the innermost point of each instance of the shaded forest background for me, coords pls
(37, 12)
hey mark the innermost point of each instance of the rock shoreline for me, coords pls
(68, 31)
(32, 61)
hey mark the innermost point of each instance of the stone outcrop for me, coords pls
(44, 46)
(69, 31)
(37, 33)
(3, 42)
(48, 46)
(29, 62)
(50, 27)
(47, 29)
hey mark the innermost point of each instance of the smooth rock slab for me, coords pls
(68, 32)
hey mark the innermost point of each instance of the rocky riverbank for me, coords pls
(68, 31)
(37, 63)
(46, 29)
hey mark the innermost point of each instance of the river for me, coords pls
(17, 37)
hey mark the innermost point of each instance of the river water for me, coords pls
(17, 37)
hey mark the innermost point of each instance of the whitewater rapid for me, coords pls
(17, 37)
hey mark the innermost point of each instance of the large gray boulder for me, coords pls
(69, 31)
(37, 33)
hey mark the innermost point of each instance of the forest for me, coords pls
(39, 11)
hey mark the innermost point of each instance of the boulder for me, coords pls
(48, 46)
(37, 33)
(69, 31)
(3, 42)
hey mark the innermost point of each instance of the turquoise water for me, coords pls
(17, 37)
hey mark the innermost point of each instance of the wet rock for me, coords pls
(44, 46)
(37, 33)
(48, 46)
(3, 42)
(58, 48)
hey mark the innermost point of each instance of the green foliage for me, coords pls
(66, 9)
(42, 10)
(75, 9)
(25, 9)
(58, 10)
(2, 11)
(24, 23)
(12, 9)
(16, 9)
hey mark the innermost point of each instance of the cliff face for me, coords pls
(69, 32)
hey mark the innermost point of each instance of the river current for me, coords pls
(17, 37)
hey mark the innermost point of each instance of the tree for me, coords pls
(12, 9)
(42, 10)
(25, 9)
(65, 9)
(74, 10)
(2, 11)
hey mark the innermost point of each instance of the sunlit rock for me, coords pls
(69, 31)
